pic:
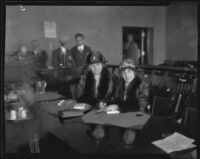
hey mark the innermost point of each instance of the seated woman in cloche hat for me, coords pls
(131, 94)
(96, 87)
(97, 84)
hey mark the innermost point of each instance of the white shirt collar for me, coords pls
(63, 49)
(81, 47)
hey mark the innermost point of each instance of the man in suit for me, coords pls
(40, 56)
(61, 57)
(81, 52)
(131, 49)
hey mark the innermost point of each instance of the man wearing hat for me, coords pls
(131, 94)
(62, 56)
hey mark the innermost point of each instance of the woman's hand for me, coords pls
(112, 107)
(129, 136)
(102, 105)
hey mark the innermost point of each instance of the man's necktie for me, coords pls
(64, 56)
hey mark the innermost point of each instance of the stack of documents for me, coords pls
(80, 106)
(70, 113)
(67, 104)
(174, 142)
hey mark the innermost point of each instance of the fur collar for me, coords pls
(102, 89)
(131, 90)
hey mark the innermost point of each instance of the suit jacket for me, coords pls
(58, 58)
(40, 58)
(81, 58)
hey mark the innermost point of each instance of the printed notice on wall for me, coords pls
(50, 29)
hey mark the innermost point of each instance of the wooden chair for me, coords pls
(34, 144)
(163, 106)
(190, 120)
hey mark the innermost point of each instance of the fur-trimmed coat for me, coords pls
(137, 95)
(87, 88)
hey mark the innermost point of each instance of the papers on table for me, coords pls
(174, 142)
(80, 106)
(67, 104)
(112, 112)
(125, 120)
(69, 108)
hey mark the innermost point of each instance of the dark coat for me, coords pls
(58, 58)
(137, 95)
(81, 58)
(40, 59)
(27, 59)
(104, 90)
(132, 52)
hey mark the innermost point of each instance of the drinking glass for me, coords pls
(40, 87)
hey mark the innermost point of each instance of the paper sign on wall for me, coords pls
(50, 29)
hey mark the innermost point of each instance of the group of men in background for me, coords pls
(61, 57)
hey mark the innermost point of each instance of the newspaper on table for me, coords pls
(175, 142)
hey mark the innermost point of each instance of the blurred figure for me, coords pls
(61, 57)
(22, 55)
(81, 52)
(40, 56)
(130, 49)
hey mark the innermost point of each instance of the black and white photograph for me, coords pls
(101, 79)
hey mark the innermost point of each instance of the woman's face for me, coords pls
(128, 75)
(96, 68)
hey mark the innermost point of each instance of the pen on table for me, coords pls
(139, 114)
(61, 102)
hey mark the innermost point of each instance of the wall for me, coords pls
(102, 26)
(181, 32)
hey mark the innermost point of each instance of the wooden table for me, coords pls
(71, 136)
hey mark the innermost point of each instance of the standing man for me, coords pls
(40, 56)
(131, 50)
(81, 52)
(62, 56)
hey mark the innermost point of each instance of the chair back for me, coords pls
(190, 120)
(163, 106)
